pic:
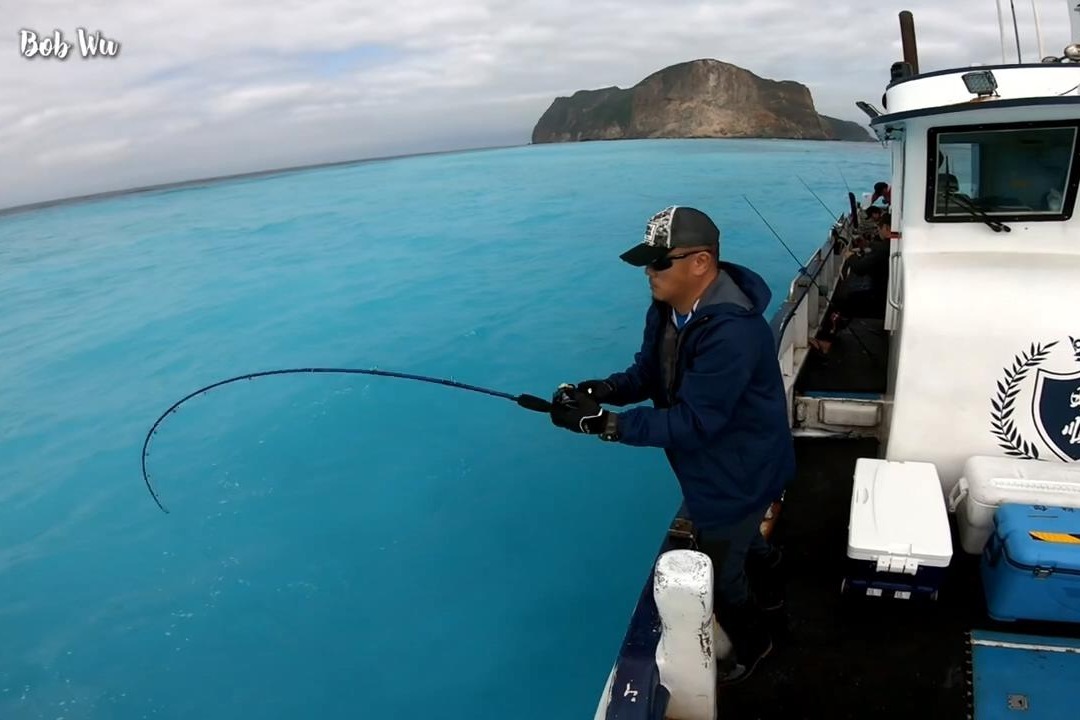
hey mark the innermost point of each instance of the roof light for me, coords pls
(1073, 52)
(981, 82)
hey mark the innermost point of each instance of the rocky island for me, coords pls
(697, 99)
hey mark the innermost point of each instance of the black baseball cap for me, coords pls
(674, 227)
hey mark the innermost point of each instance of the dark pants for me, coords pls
(731, 549)
(858, 304)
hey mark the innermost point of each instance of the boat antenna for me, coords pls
(529, 402)
(1001, 30)
(1038, 28)
(1016, 30)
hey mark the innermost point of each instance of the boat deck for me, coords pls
(857, 362)
(844, 655)
(841, 656)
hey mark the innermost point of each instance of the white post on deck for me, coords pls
(686, 653)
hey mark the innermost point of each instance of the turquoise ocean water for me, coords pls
(348, 546)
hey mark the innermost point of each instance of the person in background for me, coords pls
(883, 191)
(868, 227)
(864, 288)
(708, 364)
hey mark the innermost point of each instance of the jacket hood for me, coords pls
(737, 290)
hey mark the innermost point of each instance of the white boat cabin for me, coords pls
(984, 287)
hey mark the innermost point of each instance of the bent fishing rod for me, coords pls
(529, 402)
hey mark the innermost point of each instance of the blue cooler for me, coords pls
(1031, 564)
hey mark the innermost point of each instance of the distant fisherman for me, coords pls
(884, 191)
(708, 363)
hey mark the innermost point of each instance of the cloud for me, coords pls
(92, 150)
(260, 97)
(202, 88)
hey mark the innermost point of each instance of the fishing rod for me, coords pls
(804, 271)
(802, 268)
(529, 402)
(827, 208)
(841, 171)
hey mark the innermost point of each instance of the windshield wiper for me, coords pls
(976, 212)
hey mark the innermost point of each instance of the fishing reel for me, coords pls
(565, 394)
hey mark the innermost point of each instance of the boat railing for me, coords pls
(799, 318)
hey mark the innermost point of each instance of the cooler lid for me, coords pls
(1038, 536)
(992, 480)
(898, 511)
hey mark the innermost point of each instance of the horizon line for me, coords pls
(211, 180)
(215, 179)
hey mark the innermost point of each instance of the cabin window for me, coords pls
(1005, 172)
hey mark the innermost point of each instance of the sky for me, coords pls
(204, 88)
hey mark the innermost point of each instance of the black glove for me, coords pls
(576, 410)
(600, 390)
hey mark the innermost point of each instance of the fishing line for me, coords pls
(529, 402)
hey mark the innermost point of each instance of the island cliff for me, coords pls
(696, 99)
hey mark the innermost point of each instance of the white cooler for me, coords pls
(899, 543)
(990, 481)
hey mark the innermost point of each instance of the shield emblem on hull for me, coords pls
(1056, 412)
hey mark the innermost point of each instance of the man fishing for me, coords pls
(708, 363)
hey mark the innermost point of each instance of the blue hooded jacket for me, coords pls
(720, 412)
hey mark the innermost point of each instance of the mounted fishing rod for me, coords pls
(844, 179)
(802, 268)
(804, 271)
(529, 402)
(827, 208)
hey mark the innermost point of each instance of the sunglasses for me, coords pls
(662, 264)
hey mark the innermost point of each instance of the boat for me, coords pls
(912, 433)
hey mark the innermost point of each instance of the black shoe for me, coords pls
(744, 666)
(750, 640)
(767, 580)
